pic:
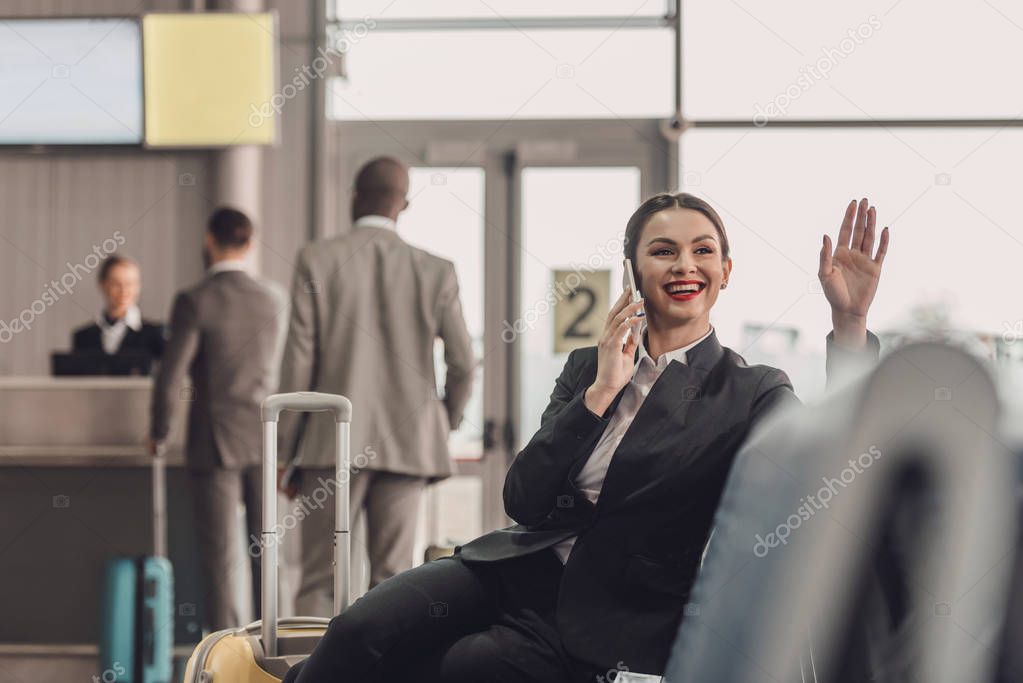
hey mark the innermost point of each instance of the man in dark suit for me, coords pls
(120, 328)
(224, 332)
(615, 494)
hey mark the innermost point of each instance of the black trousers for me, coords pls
(450, 620)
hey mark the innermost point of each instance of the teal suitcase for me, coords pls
(137, 612)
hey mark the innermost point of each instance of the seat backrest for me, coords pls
(861, 536)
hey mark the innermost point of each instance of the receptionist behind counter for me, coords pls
(119, 329)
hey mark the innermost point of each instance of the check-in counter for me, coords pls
(75, 491)
(101, 419)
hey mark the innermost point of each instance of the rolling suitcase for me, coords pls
(137, 612)
(263, 651)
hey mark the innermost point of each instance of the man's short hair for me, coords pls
(230, 228)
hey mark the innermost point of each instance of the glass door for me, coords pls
(512, 204)
(573, 222)
(446, 217)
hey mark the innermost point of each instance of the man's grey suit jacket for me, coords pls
(366, 309)
(225, 332)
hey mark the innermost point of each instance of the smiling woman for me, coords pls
(680, 248)
(671, 239)
(615, 494)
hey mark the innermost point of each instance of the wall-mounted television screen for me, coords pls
(71, 81)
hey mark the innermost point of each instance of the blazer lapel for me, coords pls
(658, 427)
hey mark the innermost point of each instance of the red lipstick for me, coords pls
(684, 295)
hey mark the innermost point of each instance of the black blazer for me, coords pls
(627, 579)
(149, 339)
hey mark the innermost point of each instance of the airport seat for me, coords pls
(894, 569)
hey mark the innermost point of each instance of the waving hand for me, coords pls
(850, 274)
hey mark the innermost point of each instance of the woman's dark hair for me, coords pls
(662, 202)
(109, 263)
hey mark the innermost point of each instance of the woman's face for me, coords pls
(679, 266)
(121, 288)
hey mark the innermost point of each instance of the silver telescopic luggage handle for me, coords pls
(306, 402)
(302, 401)
(159, 465)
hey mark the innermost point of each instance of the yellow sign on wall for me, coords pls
(209, 79)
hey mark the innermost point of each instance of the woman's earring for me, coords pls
(723, 285)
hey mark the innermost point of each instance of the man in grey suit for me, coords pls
(366, 308)
(225, 332)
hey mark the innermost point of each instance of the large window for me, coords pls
(948, 194)
(476, 59)
(510, 9)
(506, 74)
(871, 59)
(792, 109)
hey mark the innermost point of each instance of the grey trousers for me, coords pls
(391, 504)
(216, 495)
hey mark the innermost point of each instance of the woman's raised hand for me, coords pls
(615, 361)
(850, 273)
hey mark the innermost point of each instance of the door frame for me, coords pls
(502, 149)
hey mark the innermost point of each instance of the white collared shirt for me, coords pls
(590, 478)
(226, 265)
(375, 222)
(112, 334)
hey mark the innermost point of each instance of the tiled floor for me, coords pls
(62, 664)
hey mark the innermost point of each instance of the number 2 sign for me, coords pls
(580, 307)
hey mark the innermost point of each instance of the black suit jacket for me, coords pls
(149, 339)
(638, 549)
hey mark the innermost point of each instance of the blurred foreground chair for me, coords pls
(1010, 664)
(863, 538)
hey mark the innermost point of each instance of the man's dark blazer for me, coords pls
(150, 339)
(627, 578)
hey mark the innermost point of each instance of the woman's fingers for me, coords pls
(629, 350)
(626, 313)
(882, 248)
(868, 236)
(620, 332)
(620, 303)
(861, 225)
(825, 259)
(847, 225)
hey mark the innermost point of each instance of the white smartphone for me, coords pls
(630, 282)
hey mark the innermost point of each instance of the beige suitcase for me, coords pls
(263, 651)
